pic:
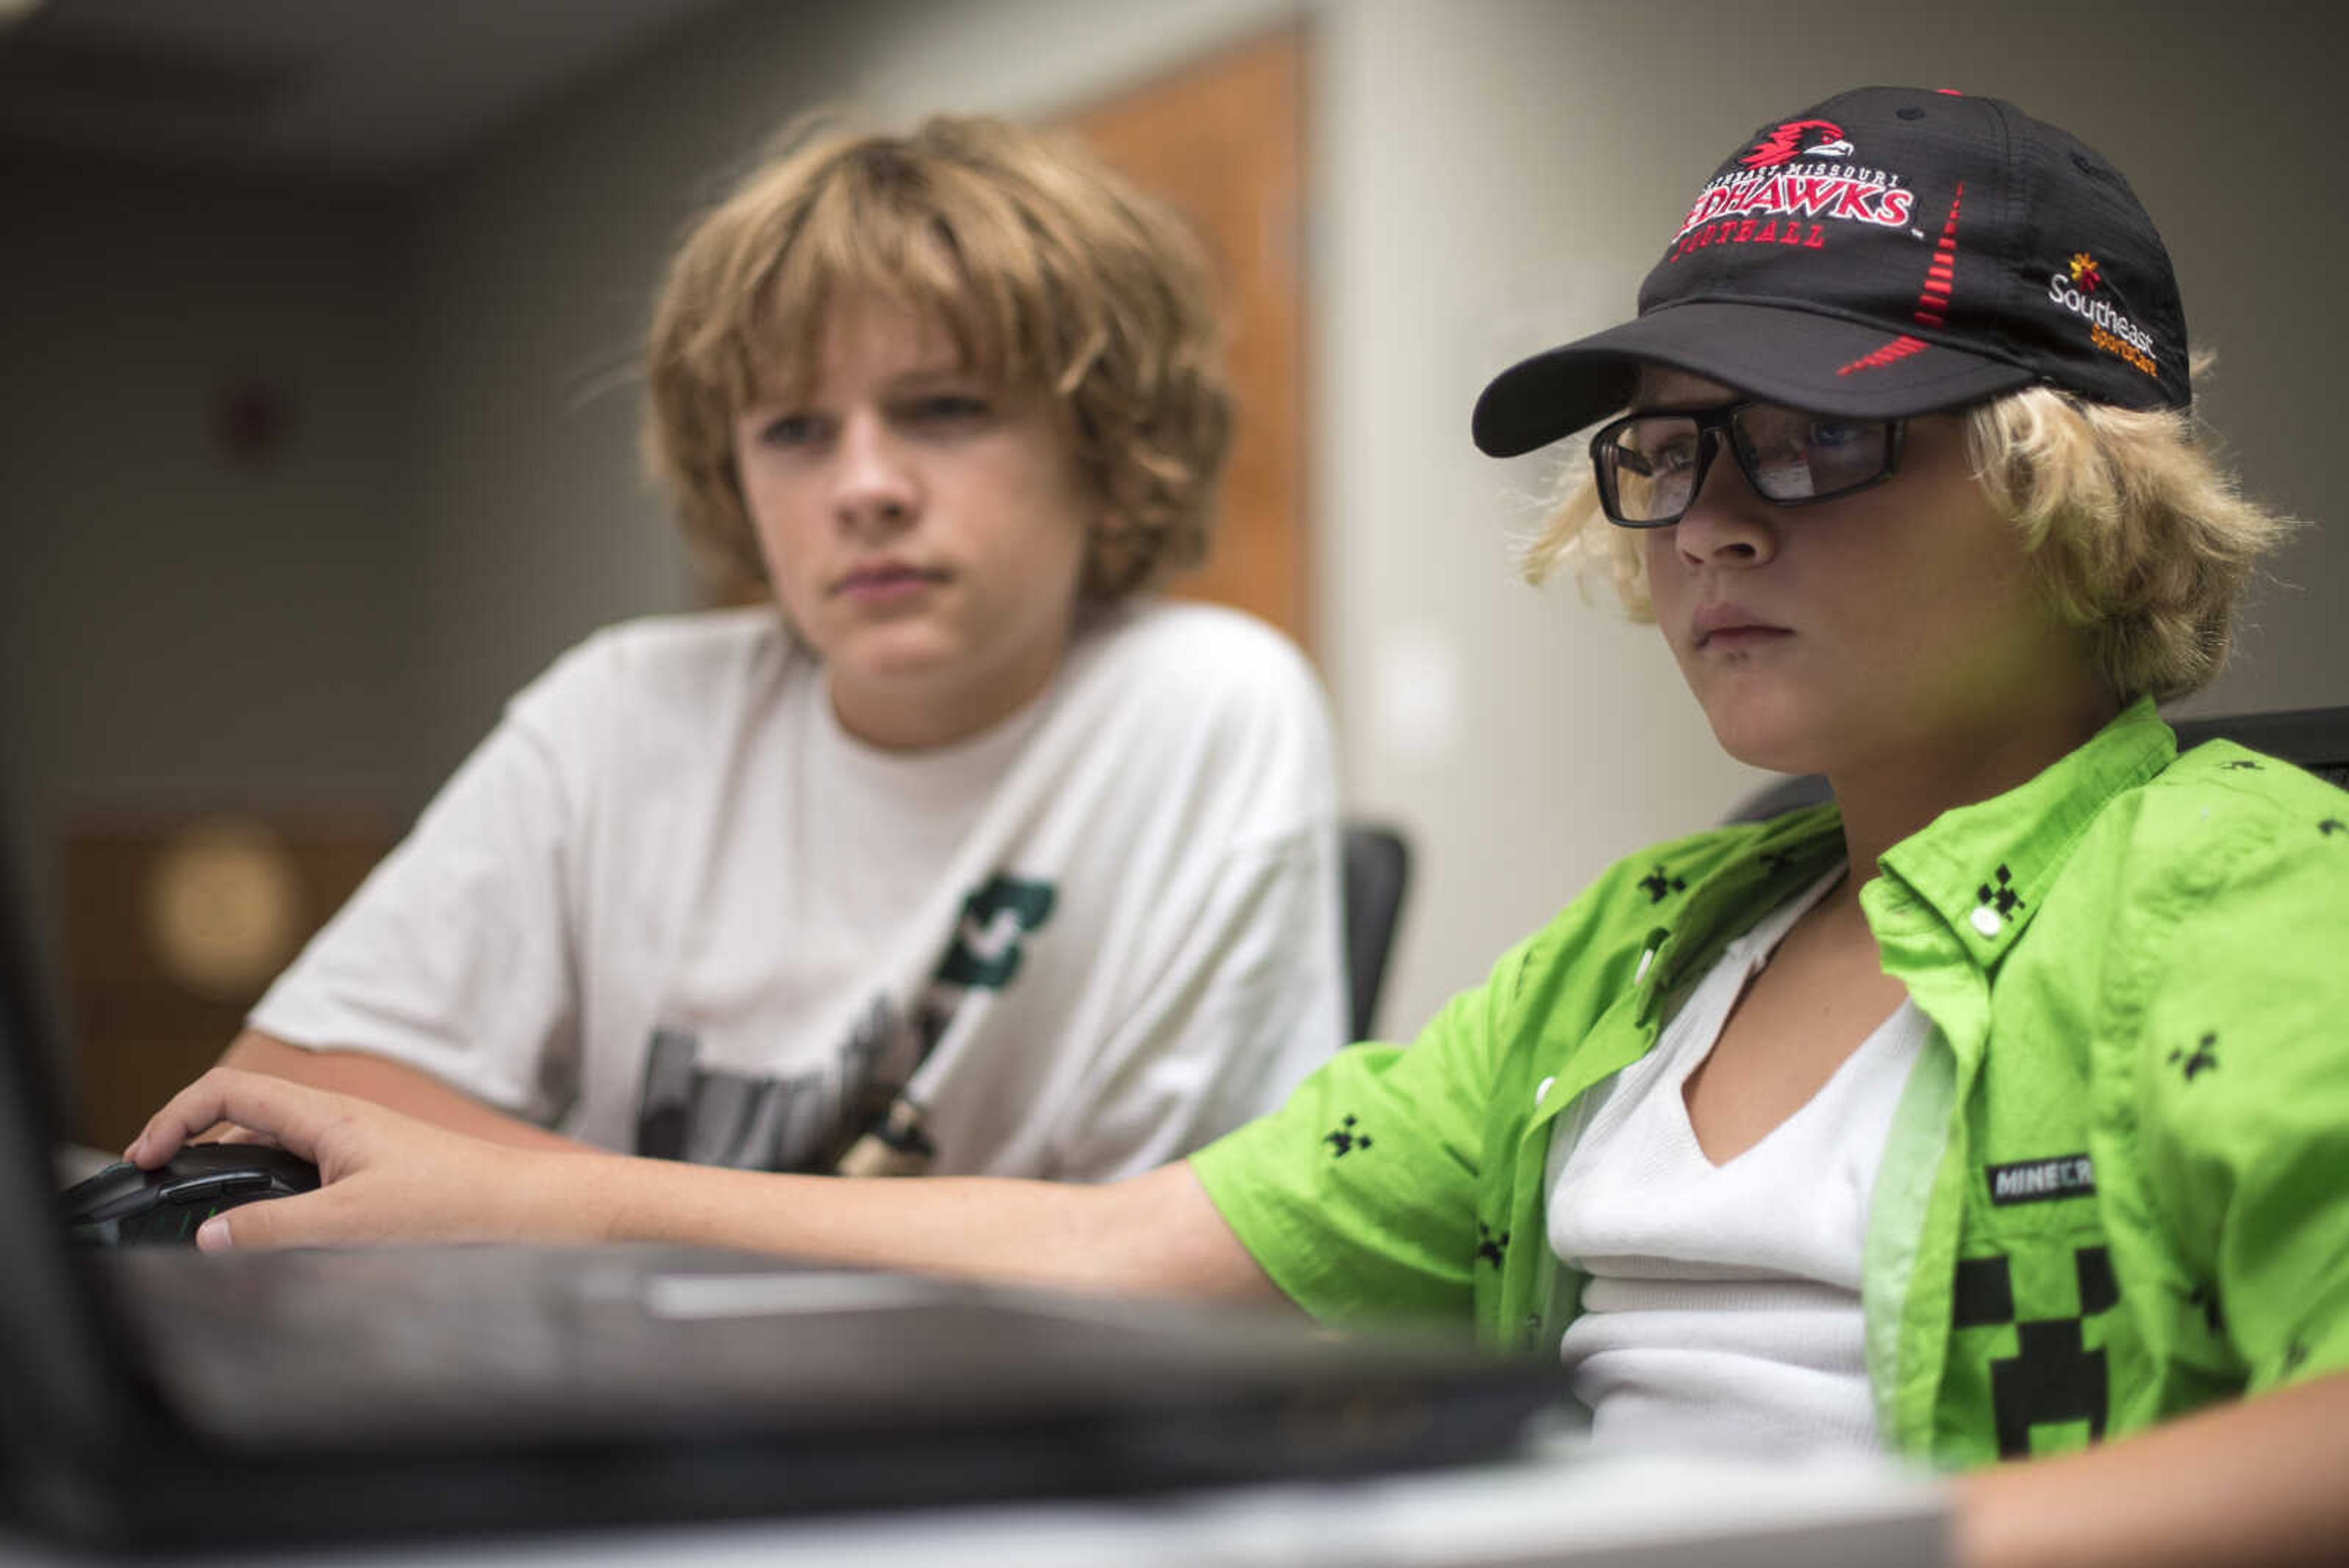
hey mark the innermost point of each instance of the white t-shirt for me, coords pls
(1721, 1308)
(670, 907)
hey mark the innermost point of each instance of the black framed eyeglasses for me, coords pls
(1650, 467)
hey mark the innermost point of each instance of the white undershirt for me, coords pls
(1723, 1306)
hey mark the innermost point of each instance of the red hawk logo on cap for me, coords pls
(1787, 141)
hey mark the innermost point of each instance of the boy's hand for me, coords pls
(383, 1176)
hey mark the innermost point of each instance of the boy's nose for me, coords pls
(1727, 523)
(873, 487)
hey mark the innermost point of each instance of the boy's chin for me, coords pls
(1766, 735)
(891, 652)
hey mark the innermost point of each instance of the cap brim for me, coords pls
(1822, 364)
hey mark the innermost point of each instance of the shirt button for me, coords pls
(1543, 1093)
(1986, 920)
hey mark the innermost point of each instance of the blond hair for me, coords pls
(2140, 538)
(1050, 275)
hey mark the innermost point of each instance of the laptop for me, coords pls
(158, 1397)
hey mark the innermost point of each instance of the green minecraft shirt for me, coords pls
(2117, 1187)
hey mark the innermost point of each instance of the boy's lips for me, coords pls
(1726, 625)
(883, 580)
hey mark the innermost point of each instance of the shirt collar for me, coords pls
(1954, 865)
(1982, 867)
(1789, 853)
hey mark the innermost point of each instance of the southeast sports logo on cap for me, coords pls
(1893, 251)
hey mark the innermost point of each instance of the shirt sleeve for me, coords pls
(1358, 1196)
(454, 957)
(2245, 1091)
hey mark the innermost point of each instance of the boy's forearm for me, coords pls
(1151, 1234)
(2262, 1480)
(391, 1083)
(393, 1178)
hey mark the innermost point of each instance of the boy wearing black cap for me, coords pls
(1994, 1110)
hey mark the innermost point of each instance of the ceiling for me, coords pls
(358, 89)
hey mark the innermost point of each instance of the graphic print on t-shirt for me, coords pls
(854, 1118)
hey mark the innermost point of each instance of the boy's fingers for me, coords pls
(296, 1221)
(181, 1118)
(270, 1106)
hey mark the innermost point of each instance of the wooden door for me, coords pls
(1223, 140)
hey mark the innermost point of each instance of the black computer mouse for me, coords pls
(123, 1205)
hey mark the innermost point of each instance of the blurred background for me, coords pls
(317, 400)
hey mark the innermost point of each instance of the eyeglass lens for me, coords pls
(1654, 461)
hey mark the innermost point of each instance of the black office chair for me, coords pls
(1377, 874)
(2316, 739)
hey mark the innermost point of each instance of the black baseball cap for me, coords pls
(1892, 251)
